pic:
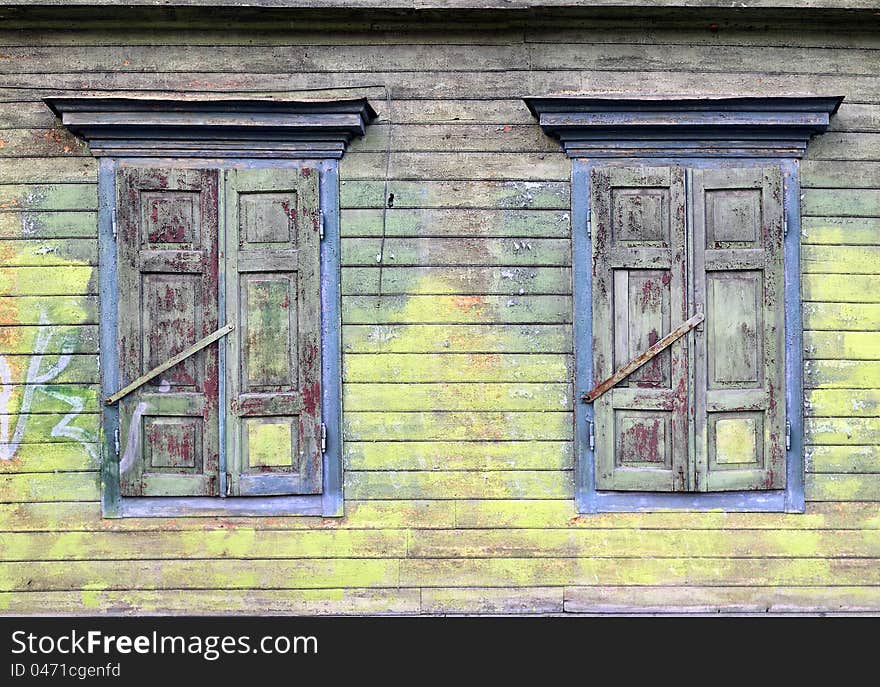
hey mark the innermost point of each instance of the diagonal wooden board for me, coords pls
(642, 358)
(171, 362)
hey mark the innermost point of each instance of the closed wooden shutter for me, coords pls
(639, 296)
(739, 366)
(273, 357)
(167, 272)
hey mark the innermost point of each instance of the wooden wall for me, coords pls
(457, 394)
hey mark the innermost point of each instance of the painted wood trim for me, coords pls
(693, 127)
(143, 127)
(590, 500)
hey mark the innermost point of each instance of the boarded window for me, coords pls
(173, 278)
(706, 414)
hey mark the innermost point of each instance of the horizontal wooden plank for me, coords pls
(850, 174)
(531, 513)
(54, 398)
(849, 288)
(857, 231)
(49, 252)
(488, 601)
(49, 197)
(843, 402)
(86, 517)
(863, 202)
(64, 310)
(620, 543)
(457, 309)
(77, 369)
(549, 165)
(55, 141)
(456, 367)
(837, 430)
(457, 251)
(432, 85)
(502, 195)
(57, 427)
(183, 574)
(67, 338)
(845, 487)
(52, 458)
(48, 225)
(420, 222)
(48, 281)
(227, 543)
(458, 455)
(28, 169)
(841, 259)
(843, 459)
(859, 317)
(507, 484)
(473, 396)
(213, 602)
(445, 426)
(459, 338)
(693, 599)
(61, 486)
(528, 572)
(845, 374)
(846, 345)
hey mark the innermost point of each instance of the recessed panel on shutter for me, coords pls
(739, 362)
(639, 296)
(273, 357)
(167, 270)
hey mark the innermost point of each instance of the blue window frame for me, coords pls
(692, 134)
(220, 135)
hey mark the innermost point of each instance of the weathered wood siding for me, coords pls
(457, 347)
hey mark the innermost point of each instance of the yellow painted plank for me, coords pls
(229, 542)
(49, 252)
(338, 601)
(455, 165)
(472, 426)
(511, 195)
(625, 543)
(846, 374)
(458, 455)
(843, 402)
(470, 280)
(836, 430)
(212, 574)
(49, 197)
(507, 484)
(457, 338)
(843, 459)
(456, 309)
(77, 369)
(53, 398)
(48, 225)
(51, 458)
(474, 396)
(86, 516)
(456, 367)
(844, 260)
(842, 316)
(846, 487)
(848, 288)
(533, 572)
(840, 230)
(48, 281)
(61, 486)
(505, 601)
(532, 513)
(18, 310)
(842, 345)
(692, 599)
(863, 202)
(456, 251)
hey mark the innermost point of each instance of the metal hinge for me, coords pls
(323, 438)
(785, 226)
(116, 441)
(229, 484)
(113, 224)
(592, 435)
(589, 229)
(787, 435)
(321, 225)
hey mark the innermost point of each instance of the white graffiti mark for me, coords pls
(134, 437)
(36, 381)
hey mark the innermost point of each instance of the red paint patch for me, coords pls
(311, 398)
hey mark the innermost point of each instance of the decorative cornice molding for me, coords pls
(683, 127)
(137, 127)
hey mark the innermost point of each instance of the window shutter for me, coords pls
(272, 273)
(639, 296)
(167, 271)
(739, 370)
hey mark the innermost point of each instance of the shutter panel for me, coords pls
(639, 296)
(167, 271)
(274, 354)
(739, 367)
